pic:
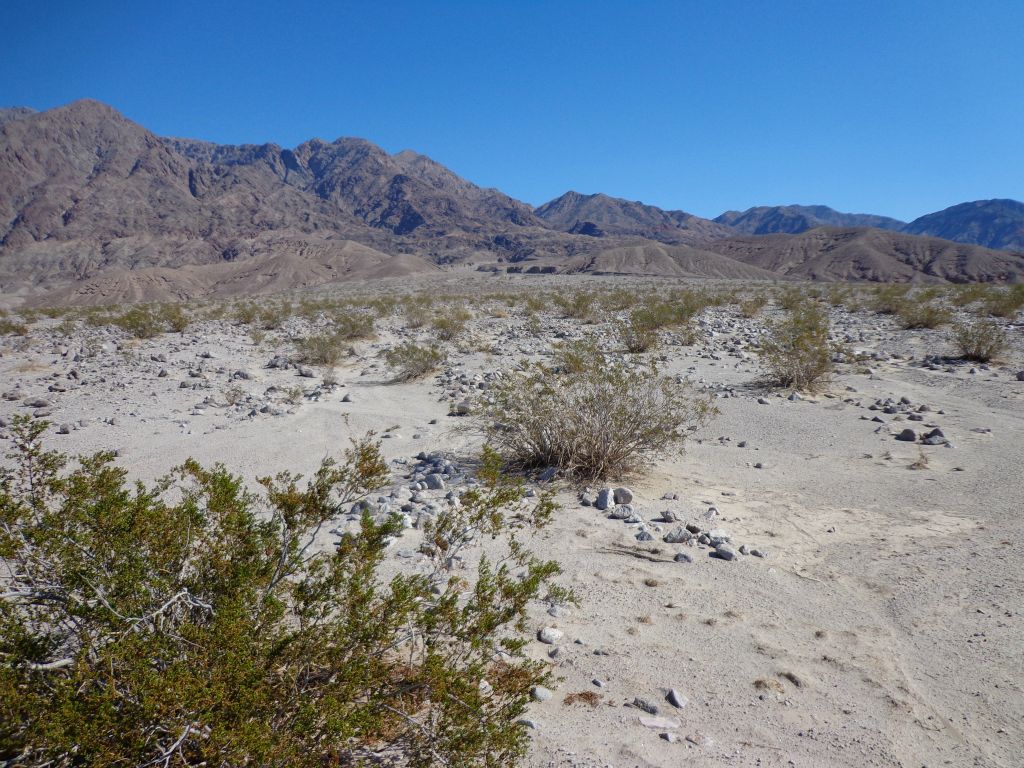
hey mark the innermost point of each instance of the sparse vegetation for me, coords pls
(412, 361)
(602, 421)
(325, 349)
(917, 312)
(752, 306)
(796, 350)
(195, 622)
(980, 340)
(1006, 303)
(889, 299)
(451, 324)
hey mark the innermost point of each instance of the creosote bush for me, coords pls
(600, 421)
(196, 623)
(412, 361)
(751, 307)
(796, 351)
(980, 340)
(916, 312)
(326, 349)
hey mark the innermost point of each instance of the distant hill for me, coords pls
(830, 253)
(602, 216)
(991, 223)
(794, 219)
(94, 207)
(647, 258)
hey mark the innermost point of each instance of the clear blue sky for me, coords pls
(895, 107)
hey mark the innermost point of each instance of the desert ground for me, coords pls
(881, 625)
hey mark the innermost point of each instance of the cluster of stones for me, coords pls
(618, 504)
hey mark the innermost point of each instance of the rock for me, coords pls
(759, 553)
(306, 372)
(676, 699)
(678, 536)
(625, 512)
(549, 635)
(622, 496)
(37, 402)
(527, 723)
(646, 706)
(605, 499)
(668, 516)
(700, 739)
(644, 536)
(540, 693)
(1020, 376)
(907, 436)
(64, 429)
(547, 475)
(559, 611)
(682, 557)
(724, 552)
(347, 398)
(434, 482)
(762, 401)
(671, 738)
(464, 408)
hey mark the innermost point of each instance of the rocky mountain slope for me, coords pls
(602, 216)
(794, 219)
(831, 253)
(991, 223)
(89, 201)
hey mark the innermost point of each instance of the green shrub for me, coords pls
(578, 306)
(796, 350)
(9, 327)
(1006, 303)
(325, 349)
(752, 307)
(140, 322)
(981, 340)
(888, 299)
(638, 333)
(791, 298)
(351, 326)
(917, 312)
(411, 361)
(575, 356)
(451, 324)
(174, 318)
(600, 422)
(197, 623)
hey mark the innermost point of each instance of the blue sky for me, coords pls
(897, 108)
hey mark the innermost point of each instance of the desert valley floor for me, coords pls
(882, 627)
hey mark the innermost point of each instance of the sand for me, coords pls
(883, 629)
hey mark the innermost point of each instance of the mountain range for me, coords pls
(96, 208)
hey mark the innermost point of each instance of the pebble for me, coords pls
(540, 693)
(676, 699)
(550, 635)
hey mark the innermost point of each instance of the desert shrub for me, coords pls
(451, 324)
(174, 318)
(638, 333)
(620, 300)
(575, 356)
(246, 313)
(980, 340)
(10, 327)
(752, 306)
(964, 295)
(578, 306)
(412, 361)
(197, 623)
(888, 299)
(416, 310)
(325, 349)
(536, 303)
(383, 306)
(351, 326)
(1007, 302)
(600, 422)
(791, 298)
(140, 322)
(918, 312)
(796, 350)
